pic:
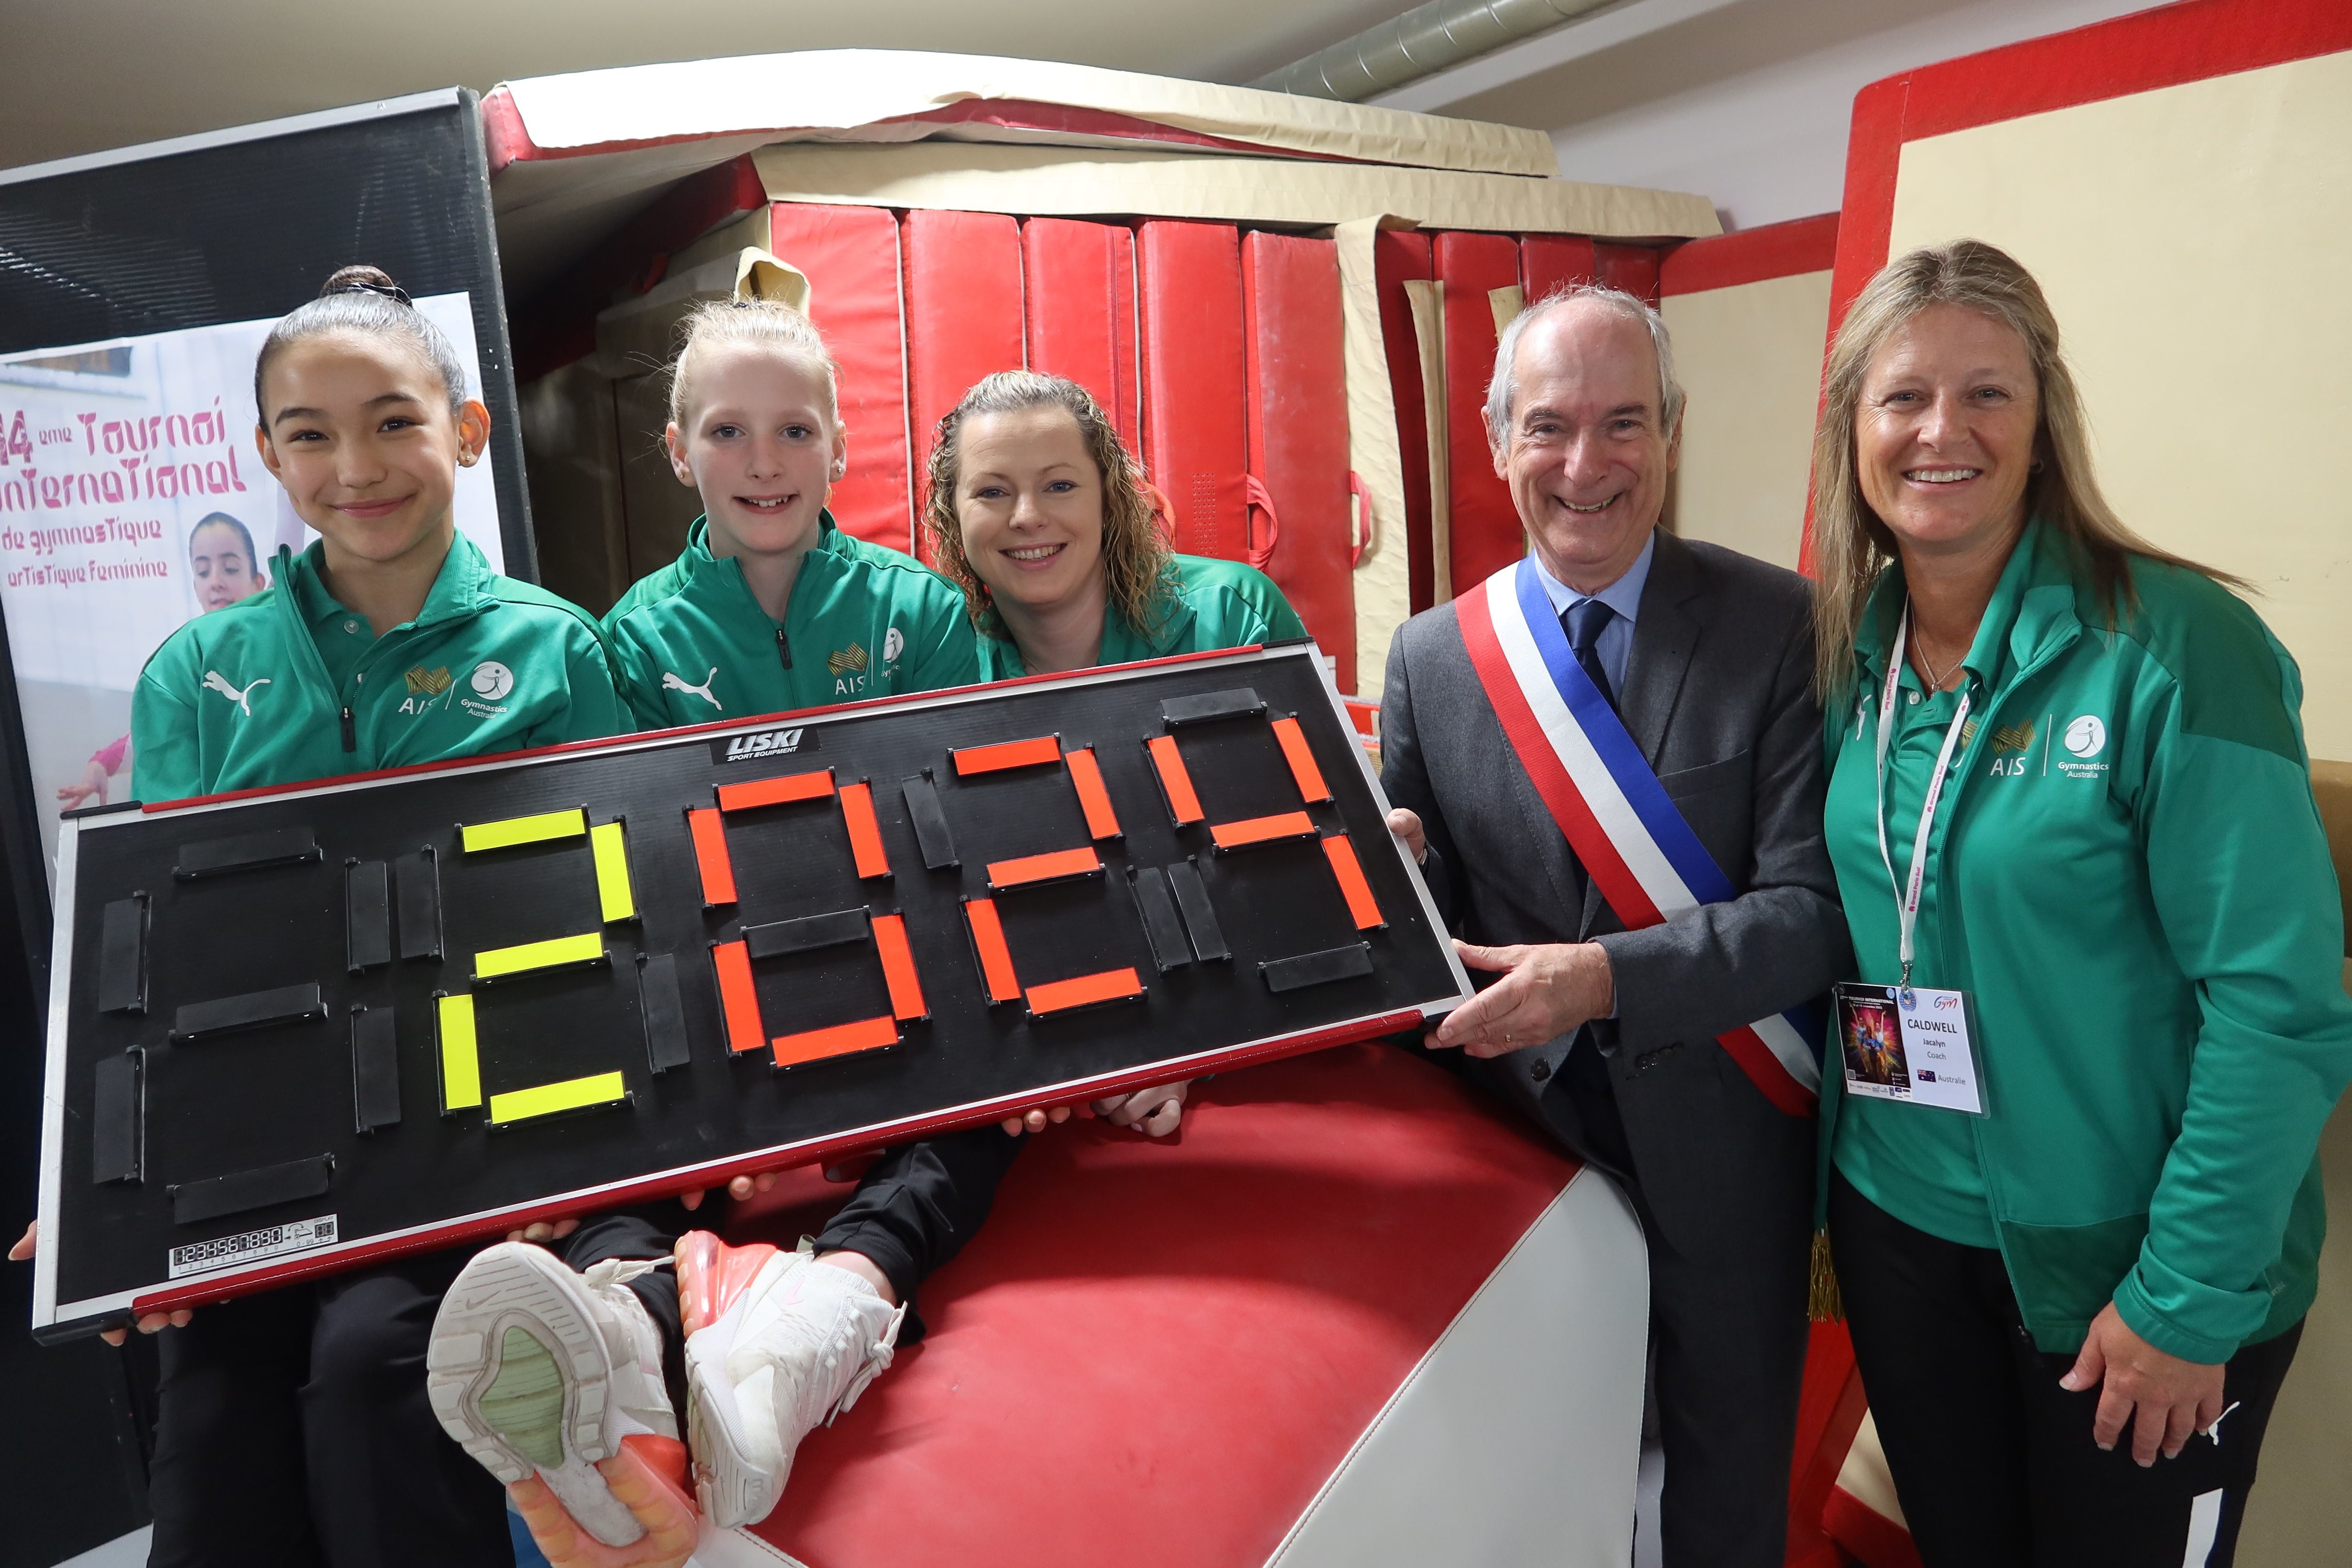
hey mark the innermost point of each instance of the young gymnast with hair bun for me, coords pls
(293, 1427)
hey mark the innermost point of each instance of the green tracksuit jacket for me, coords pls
(1214, 605)
(2129, 876)
(692, 645)
(245, 697)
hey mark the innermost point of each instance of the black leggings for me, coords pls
(1994, 1461)
(917, 1206)
(292, 1428)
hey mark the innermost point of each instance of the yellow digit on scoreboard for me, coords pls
(610, 842)
(475, 837)
(461, 1073)
(461, 1061)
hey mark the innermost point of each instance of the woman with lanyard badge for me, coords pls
(2070, 1183)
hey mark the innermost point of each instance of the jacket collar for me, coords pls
(702, 566)
(461, 588)
(2032, 611)
(1122, 643)
(1664, 637)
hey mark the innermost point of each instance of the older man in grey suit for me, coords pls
(1608, 1037)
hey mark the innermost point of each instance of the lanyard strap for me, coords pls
(1907, 892)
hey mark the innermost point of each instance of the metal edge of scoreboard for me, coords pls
(53, 1321)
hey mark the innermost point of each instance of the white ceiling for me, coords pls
(83, 75)
(1747, 101)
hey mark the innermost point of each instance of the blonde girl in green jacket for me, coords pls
(2073, 1311)
(771, 607)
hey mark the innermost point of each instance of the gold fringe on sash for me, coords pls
(1823, 1303)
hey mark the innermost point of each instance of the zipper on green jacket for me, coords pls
(305, 648)
(784, 645)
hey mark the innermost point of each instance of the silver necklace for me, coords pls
(1935, 681)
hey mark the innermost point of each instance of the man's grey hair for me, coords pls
(1503, 391)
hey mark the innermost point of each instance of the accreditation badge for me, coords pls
(1909, 1044)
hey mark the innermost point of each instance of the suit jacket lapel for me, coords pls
(1664, 637)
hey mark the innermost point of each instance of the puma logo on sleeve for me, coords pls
(678, 683)
(216, 681)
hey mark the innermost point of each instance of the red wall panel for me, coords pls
(1297, 420)
(1080, 279)
(1485, 533)
(1726, 260)
(1195, 440)
(963, 321)
(1553, 261)
(850, 255)
(1633, 268)
(1399, 255)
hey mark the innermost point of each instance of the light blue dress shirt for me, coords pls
(1623, 596)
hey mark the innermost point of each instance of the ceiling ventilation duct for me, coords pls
(1424, 40)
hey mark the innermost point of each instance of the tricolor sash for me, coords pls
(1626, 831)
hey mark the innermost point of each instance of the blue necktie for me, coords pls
(1585, 1075)
(1584, 622)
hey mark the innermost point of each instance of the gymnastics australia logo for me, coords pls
(2085, 736)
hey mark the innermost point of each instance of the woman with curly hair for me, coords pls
(1040, 517)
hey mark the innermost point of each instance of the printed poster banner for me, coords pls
(131, 500)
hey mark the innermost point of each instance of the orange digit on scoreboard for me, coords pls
(995, 958)
(840, 1040)
(776, 791)
(865, 831)
(1061, 996)
(1363, 908)
(1296, 752)
(971, 760)
(737, 998)
(1262, 830)
(1085, 777)
(899, 968)
(709, 830)
(1060, 863)
(1183, 805)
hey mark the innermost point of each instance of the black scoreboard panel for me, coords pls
(305, 1028)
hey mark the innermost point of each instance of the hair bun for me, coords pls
(363, 280)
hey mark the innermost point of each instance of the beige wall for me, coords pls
(1749, 357)
(2193, 242)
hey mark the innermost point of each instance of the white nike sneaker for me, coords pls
(775, 1342)
(536, 1369)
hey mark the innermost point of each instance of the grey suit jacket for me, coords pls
(1717, 695)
